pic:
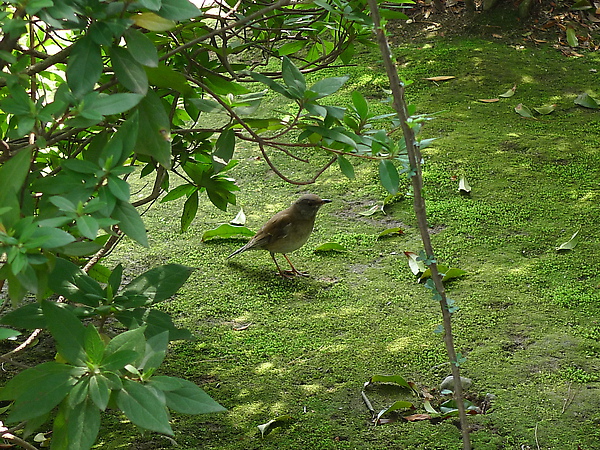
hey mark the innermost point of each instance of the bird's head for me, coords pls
(309, 204)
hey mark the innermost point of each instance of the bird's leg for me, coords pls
(285, 274)
(294, 271)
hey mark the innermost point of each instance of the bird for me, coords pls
(286, 231)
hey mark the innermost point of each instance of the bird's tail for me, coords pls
(239, 250)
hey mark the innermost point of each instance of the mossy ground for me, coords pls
(529, 316)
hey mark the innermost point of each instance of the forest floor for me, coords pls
(529, 318)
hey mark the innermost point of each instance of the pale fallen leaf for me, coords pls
(240, 218)
(489, 100)
(570, 244)
(416, 417)
(242, 327)
(417, 267)
(463, 186)
(547, 109)
(440, 78)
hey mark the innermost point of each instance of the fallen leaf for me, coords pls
(440, 78)
(586, 101)
(227, 231)
(416, 417)
(463, 186)
(330, 246)
(417, 267)
(497, 36)
(242, 327)
(545, 109)
(489, 100)
(523, 111)
(570, 244)
(572, 37)
(266, 428)
(240, 218)
(372, 210)
(394, 230)
(509, 93)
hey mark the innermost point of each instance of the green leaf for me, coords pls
(152, 22)
(141, 405)
(291, 47)
(273, 85)
(586, 101)
(118, 187)
(572, 37)
(388, 175)
(38, 390)
(76, 427)
(52, 237)
(29, 317)
(93, 345)
(330, 246)
(88, 226)
(6, 333)
(159, 283)
(570, 244)
(387, 232)
(154, 130)
(84, 66)
(156, 350)
(130, 222)
(224, 149)
(67, 330)
(119, 359)
(453, 273)
(190, 208)
(227, 231)
(509, 93)
(178, 10)
(372, 210)
(346, 166)
(547, 109)
(13, 174)
(70, 281)
(396, 379)
(523, 111)
(280, 421)
(327, 86)
(178, 192)
(360, 105)
(293, 78)
(184, 396)
(131, 340)
(400, 404)
(116, 103)
(141, 48)
(129, 72)
(99, 391)
(153, 5)
(154, 321)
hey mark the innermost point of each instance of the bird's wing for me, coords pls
(276, 228)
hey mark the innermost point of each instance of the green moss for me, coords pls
(528, 315)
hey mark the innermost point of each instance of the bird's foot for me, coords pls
(293, 273)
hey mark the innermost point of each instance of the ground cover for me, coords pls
(528, 319)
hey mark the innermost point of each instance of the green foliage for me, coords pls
(103, 94)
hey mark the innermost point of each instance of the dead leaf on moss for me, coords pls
(440, 78)
(488, 100)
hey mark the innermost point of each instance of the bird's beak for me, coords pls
(326, 200)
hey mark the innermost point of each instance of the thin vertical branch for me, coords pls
(420, 211)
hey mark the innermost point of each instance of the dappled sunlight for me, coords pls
(267, 368)
(399, 345)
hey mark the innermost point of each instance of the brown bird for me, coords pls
(286, 231)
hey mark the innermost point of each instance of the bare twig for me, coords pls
(419, 206)
(18, 441)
